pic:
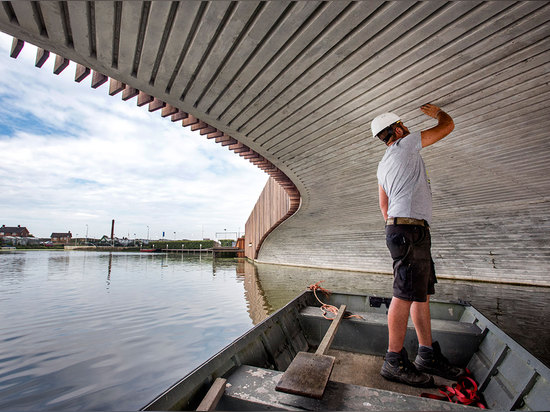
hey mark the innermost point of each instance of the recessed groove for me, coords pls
(293, 61)
(355, 86)
(322, 78)
(513, 99)
(496, 98)
(252, 56)
(350, 88)
(474, 75)
(90, 14)
(473, 62)
(164, 40)
(186, 45)
(310, 172)
(486, 140)
(234, 46)
(356, 137)
(116, 33)
(338, 110)
(10, 12)
(39, 18)
(221, 26)
(506, 123)
(289, 41)
(66, 23)
(517, 99)
(323, 149)
(313, 170)
(476, 80)
(309, 70)
(141, 35)
(326, 144)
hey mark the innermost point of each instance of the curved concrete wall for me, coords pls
(273, 207)
(298, 83)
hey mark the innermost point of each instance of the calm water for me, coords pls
(106, 331)
(86, 330)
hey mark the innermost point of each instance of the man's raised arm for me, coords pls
(445, 125)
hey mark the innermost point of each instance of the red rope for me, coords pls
(465, 391)
(326, 307)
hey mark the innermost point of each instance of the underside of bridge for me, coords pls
(297, 84)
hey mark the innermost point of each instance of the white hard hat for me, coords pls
(382, 121)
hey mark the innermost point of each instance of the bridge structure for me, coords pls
(293, 87)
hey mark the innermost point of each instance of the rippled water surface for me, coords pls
(86, 330)
(111, 331)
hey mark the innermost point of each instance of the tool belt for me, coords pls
(406, 221)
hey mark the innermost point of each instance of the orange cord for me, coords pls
(326, 307)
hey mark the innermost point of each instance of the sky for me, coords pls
(73, 158)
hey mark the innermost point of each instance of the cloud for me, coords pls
(74, 156)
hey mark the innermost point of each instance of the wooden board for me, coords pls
(213, 396)
(307, 375)
(331, 332)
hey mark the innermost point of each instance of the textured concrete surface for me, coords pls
(300, 82)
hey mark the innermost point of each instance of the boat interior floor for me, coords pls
(364, 370)
(355, 384)
(252, 388)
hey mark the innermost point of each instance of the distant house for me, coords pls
(105, 239)
(14, 231)
(61, 237)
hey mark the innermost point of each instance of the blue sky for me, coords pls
(74, 158)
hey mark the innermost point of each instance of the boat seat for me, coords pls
(252, 388)
(458, 340)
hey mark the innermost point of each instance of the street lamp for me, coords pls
(147, 233)
(86, 234)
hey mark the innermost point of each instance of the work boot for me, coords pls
(397, 367)
(433, 362)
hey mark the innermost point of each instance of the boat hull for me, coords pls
(509, 377)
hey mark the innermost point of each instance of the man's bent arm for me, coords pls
(445, 125)
(383, 201)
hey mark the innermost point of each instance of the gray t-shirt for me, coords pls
(402, 174)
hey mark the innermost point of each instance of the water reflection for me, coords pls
(58, 268)
(106, 331)
(258, 308)
(68, 342)
(520, 311)
(12, 266)
(109, 270)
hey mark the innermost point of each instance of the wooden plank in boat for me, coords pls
(307, 375)
(213, 395)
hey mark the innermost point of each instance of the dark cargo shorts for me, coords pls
(413, 267)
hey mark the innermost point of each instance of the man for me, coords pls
(406, 203)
